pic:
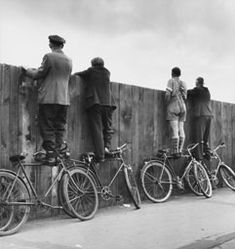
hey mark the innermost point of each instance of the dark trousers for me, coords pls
(52, 121)
(202, 132)
(100, 121)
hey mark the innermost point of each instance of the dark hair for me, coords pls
(175, 72)
(57, 44)
(97, 61)
(200, 81)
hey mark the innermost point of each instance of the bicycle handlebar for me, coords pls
(122, 147)
(192, 146)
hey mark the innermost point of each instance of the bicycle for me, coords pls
(226, 173)
(158, 176)
(17, 193)
(87, 164)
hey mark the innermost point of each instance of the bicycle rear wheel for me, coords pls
(228, 176)
(192, 181)
(80, 194)
(132, 186)
(203, 180)
(17, 213)
(156, 181)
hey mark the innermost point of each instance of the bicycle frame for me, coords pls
(21, 169)
(90, 169)
(166, 163)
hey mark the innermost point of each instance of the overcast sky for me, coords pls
(140, 40)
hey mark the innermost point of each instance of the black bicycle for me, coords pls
(222, 169)
(158, 176)
(81, 204)
(17, 193)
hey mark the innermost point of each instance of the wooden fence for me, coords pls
(139, 121)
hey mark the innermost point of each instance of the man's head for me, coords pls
(175, 72)
(56, 41)
(97, 62)
(199, 81)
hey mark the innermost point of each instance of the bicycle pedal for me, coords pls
(118, 197)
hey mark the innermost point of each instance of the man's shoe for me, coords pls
(50, 158)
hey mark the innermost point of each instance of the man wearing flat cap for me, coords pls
(99, 105)
(53, 94)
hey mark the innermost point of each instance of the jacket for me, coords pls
(97, 91)
(53, 76)
(199, 98)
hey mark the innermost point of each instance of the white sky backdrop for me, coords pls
(140, 40)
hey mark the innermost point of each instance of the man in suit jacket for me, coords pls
(201, 109)
(99, 105)
(53, 94)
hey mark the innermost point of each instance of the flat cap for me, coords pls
(56, 38)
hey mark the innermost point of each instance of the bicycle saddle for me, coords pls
(16, 158)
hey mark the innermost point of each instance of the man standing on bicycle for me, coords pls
(53, 94)
(99, 105)
(199, 98)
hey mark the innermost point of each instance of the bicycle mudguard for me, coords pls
(161, 162)
(15, 175)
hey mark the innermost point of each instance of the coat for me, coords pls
(53, 76)
(199, 98)
(97, 89)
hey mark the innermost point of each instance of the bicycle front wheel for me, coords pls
(192, 181)
(80, 194)
(156, 181)
(228, 176)
(203, 180)
(132, 186)
(14, 196)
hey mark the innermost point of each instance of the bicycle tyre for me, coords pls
(62, 200)
(81, 198)
(156, 190)
(203, 180)
(20, 193)
(6, 212)
(228, 176)
(192, 181)
(132, 186)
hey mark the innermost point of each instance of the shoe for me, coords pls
(50, 158)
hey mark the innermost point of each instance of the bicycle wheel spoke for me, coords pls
(17, 214)
(80, 194)
(158, 187)
(228, 176)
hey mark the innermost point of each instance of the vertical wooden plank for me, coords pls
(135, 128)
(226, 132)
(1, 113)
(233, 137)
(125, 128)
(5, 102)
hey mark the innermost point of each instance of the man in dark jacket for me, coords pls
(199, 98)
(53, 94)
(99, 105)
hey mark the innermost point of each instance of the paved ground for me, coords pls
(183, 222)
